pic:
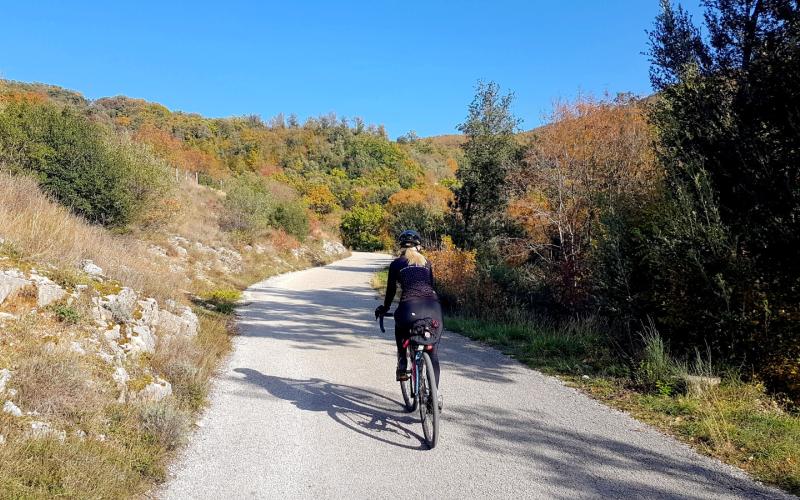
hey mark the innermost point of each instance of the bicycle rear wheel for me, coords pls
(407, 388)
(428, 402)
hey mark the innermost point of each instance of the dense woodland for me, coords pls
(679, 212)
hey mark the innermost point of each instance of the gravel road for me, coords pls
(307, 407)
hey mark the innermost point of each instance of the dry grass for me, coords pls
(111, 450)
(44, 231)
(58, 384)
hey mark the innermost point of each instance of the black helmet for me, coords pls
(409, 238)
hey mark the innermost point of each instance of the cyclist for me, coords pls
(418, 299)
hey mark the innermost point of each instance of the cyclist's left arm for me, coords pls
(391, 286)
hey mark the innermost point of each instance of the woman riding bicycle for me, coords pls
(418, 299)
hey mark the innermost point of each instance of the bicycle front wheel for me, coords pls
(428, 402)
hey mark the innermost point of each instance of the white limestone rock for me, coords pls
(41, 430)
(141, 340)
(47, 291)
(121, 376)
(113, 335)
(122, 305)
(155, 391)
(91, 268)
(5, 376)
(333, 248)
(12, 409)
(11, 281)
(183, 325)
(148, 311)
(77, 348)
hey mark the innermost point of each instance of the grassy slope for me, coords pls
(736, 422)
(110, 449)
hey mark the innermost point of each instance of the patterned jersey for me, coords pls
(416, 282)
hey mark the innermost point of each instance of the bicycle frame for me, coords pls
(417, 358)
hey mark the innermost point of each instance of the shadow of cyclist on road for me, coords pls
(364, 411)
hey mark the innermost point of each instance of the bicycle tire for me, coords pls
(407, 388)
(429, 402)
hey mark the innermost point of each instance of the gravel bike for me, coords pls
(420, 389)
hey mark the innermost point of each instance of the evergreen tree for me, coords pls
(490, 151)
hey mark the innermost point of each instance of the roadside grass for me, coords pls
(736, 422)
(380, 279)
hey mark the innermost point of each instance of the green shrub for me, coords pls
(292, 217)
(253, 205)
(66, 314)
(165, 423)
(222, 300)
(363, 228)
(657, 371)
(108, 181)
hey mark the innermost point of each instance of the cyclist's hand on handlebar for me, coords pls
(380, 311)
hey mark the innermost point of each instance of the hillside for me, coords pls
(128, 231)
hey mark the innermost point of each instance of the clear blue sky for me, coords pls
(408, 65)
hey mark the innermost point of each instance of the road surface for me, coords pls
(307, 407)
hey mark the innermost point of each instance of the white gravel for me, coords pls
(307, 407)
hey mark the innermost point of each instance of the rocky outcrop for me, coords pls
(121, 305)
(10, 282)
(333, 248)
(47, 291)
(185, 324)
(14, 280)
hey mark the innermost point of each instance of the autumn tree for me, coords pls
(423, 209)
(588, 163)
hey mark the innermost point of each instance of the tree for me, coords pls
(490, 151)
(729, 140)
(423, 209)
(363, 228)
(675, 45)
(107, 181)
(587, 164)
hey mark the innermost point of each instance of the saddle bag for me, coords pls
(426, 331)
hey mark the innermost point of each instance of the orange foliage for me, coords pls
(454, 270)
(595, 155)
(283, 241)
(320, 199)
(270, 169)
(177, 153)
(452, 166)
(592, 150)
(25, 96)
(432, 197)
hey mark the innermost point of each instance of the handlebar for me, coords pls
(390, 315)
